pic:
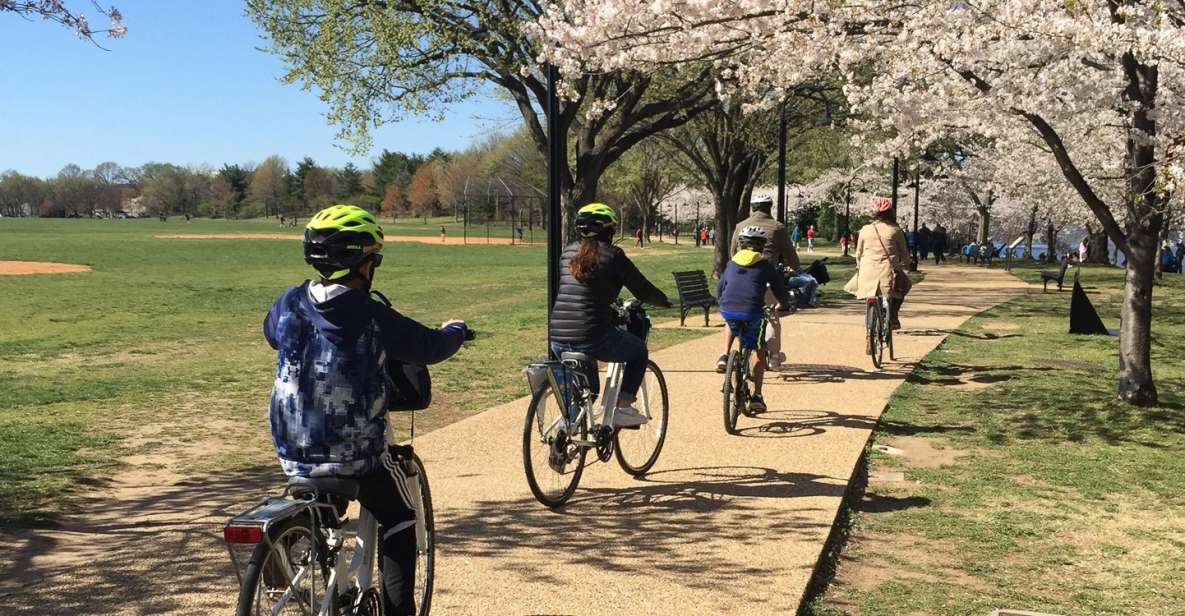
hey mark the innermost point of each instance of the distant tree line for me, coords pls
(397, 184)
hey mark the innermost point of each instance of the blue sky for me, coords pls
(188, 86)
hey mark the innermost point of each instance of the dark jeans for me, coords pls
(380, 492)
(615, 346)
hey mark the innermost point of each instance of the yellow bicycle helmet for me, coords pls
(339, 238)
(594, 218)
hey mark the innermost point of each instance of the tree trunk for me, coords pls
(726, 221)
(1030, 231)
(1051, 255)
(985, 221)
(1135, 338)
(1097, 249)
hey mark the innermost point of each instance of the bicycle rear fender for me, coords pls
(269, 512)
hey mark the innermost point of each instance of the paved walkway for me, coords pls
(723, 524)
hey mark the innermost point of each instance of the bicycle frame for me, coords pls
(583, 399)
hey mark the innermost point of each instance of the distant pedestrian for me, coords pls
(925, 239)
(1167, 262)
(703, 235)
(1083, 251)
(712, 235)
(938, 244)
(843, 242)
(638, 237)
(794, 235)
(810, 240)
(519, 231)
(443, 233)
(281, 219)
(1181, 257)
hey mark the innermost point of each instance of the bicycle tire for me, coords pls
(874, 334)
(427, 555)
(661, 418)
(733, 376)
(530, 436)
(255, 574)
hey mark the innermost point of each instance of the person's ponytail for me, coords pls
(586, 260)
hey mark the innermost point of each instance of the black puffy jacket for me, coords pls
(581, 310)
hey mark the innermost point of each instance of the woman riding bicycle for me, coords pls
(880, 251)
(592, 272)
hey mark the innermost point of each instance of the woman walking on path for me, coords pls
(881, 252)
(794, 235)
(810, 240)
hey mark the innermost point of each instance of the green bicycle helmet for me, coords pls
(593, 219)
(339, 238)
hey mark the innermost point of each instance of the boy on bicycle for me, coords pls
(741, 294)
(329, 403)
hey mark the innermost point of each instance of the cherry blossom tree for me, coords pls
(1095, 84)
(56, 11)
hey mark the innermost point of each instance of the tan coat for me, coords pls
(874, 266)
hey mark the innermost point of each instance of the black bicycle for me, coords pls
(880, 330)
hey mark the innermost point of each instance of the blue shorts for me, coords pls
(750, 328)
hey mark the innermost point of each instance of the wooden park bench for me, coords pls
(1059, 276)
(693, 293)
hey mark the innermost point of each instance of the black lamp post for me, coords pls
(896, 173)
(556, 156)
(917, 183)
(847, 220)
(782, 163)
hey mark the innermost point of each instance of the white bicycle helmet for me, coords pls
(752, 237)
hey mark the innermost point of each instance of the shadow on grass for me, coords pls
(156, 549)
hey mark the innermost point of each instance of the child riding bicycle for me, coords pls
(741, 294)
(332, 390)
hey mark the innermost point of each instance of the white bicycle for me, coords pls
(564, 420)
(305, 558)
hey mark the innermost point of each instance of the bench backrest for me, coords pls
(693, 286)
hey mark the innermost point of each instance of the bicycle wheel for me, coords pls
(638, 449)
(281, 577)
(734, 390)
(425, 535)
(874, 334)
(553, 463)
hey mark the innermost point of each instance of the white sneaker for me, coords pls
(628, 417)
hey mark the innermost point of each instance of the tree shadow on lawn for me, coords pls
(605, 528)
(153, 550)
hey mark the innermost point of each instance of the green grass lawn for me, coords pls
(1026, 485)
(160, 347)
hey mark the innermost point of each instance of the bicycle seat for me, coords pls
(580, 358)
(339, 486)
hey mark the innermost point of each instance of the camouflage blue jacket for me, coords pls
(329, 402)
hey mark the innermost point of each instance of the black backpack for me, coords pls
(412, 383)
